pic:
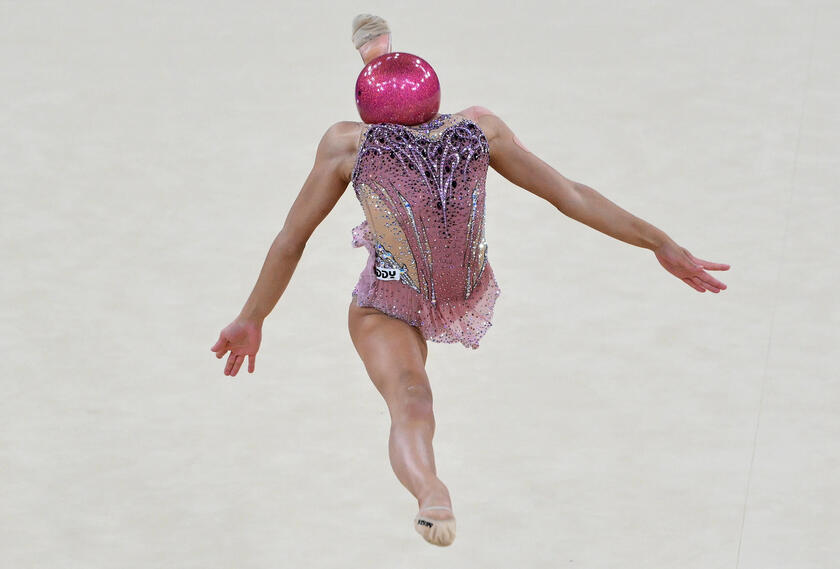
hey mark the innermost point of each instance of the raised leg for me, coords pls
(394, 354)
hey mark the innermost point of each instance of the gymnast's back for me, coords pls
(422, 191)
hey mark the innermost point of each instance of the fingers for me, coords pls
(711, 282)
(711, 266)
(690, 282)
(697, 284)
(703, 282)
(238, 364)
(220, 347)
(230, 363)
(235, 362)
(700, 280)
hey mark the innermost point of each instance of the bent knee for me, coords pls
(412, 400)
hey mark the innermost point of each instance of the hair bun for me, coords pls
(367, 27)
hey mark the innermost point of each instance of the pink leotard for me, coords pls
(422, 191)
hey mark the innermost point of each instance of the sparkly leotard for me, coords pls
(422, 191)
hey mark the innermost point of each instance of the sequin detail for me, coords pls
(422, 189)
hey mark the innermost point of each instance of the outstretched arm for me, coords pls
(512, 160)
(321, 190)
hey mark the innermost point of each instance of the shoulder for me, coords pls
(340, 138)
(489, 122)
(339, 146)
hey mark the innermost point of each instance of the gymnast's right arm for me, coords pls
(320, 192)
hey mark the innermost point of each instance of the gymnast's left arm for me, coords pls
(510, 158)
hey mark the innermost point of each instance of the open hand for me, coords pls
(242, 338)
(691, 270)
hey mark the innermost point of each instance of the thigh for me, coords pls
(394, 352)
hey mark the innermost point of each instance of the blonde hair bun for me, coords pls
(367, 27)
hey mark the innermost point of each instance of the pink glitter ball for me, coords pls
(397, 87)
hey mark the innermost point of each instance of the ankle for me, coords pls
(434, 493)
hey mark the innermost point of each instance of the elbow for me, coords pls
(290, 243)
(570, 198)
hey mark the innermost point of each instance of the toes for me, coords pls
(444, 533)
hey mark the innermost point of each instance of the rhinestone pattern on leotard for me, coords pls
(422, 189)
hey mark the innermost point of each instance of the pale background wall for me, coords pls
(613, 417)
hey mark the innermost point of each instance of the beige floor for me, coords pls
(613, 417)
